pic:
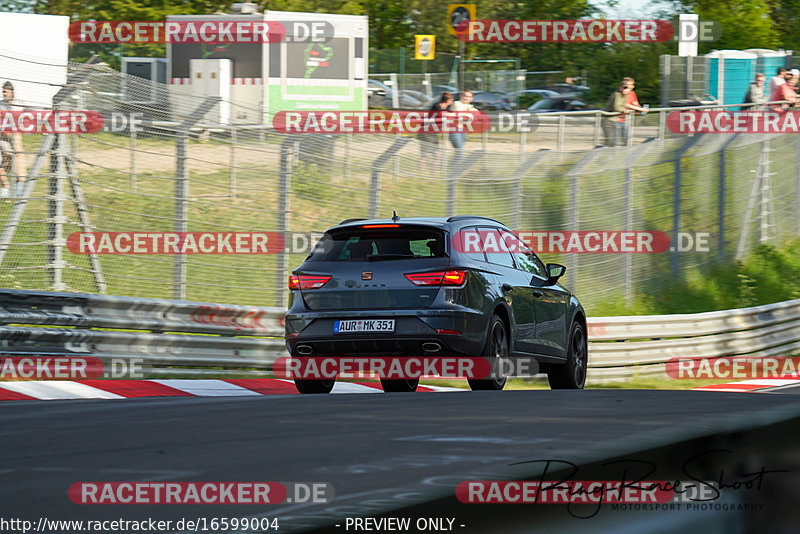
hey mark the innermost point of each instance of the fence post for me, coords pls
(574, 213)
(233, 162)
(182, 191)
(133, 157)
(284, 189)
(628, 276)
(377, 165)
(597, 127)
(484, 146)
(562, 123)
(55, 212)
(348, 139)
(721, 185)
(797, 187)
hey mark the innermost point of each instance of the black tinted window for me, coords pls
(496, 249)
(380, 244)
(469, 242)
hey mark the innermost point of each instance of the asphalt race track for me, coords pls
(383, 453)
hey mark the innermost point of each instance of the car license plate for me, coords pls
(363, 325)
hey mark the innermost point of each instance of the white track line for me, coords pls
(53, 390)
(208, 387)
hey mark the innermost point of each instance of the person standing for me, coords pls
(785, 92)
(11, 147)
(457, 139)
(429, 142)
(756, 94)
(778, 80)
(622, 102)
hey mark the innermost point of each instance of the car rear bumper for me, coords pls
(415, 334)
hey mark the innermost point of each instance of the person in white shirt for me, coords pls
(780, 79)
(463, 104)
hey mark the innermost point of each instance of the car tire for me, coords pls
(403, 385)
(495, 351)
(571, 375)
(321, 386)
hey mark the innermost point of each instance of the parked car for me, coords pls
(380, 95)
(405, 287)
(491, 101)
(527, 97)
(436, 90)
(559, 103)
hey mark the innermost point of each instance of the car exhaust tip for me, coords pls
(431, 347)
(304, 350)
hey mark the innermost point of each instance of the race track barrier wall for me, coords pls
(195, 338)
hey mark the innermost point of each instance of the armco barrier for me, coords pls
(160, 332)
(182, 335)
(621, 347)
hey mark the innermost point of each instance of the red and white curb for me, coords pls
(757, 384)
(124, 389)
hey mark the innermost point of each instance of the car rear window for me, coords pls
(379, 245)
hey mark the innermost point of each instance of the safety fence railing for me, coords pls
(716, 197)
(180, 338)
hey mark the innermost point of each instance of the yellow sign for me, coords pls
(424, 46)
(458, 17)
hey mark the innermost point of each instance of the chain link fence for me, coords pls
(183, 170)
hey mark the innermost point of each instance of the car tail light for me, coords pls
(303, 281)
(380, 226)
(448, 332)
(440, 278)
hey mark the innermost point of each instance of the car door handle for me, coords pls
(537, 294)
(506, 287)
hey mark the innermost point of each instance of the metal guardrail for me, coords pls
(623, 347)
(217, 337)
(160, 332)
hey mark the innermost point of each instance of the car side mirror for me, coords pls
(554, 272)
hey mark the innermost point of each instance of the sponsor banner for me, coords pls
(733, 122)
(194, 31)
(175, 242)
(735, 367)
(563, 492)
(374, 122)
(567, 242)
(402, 367)
(567, 31)
(50, 122)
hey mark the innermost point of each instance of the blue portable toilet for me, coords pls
(769, 61)
(729, 74)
